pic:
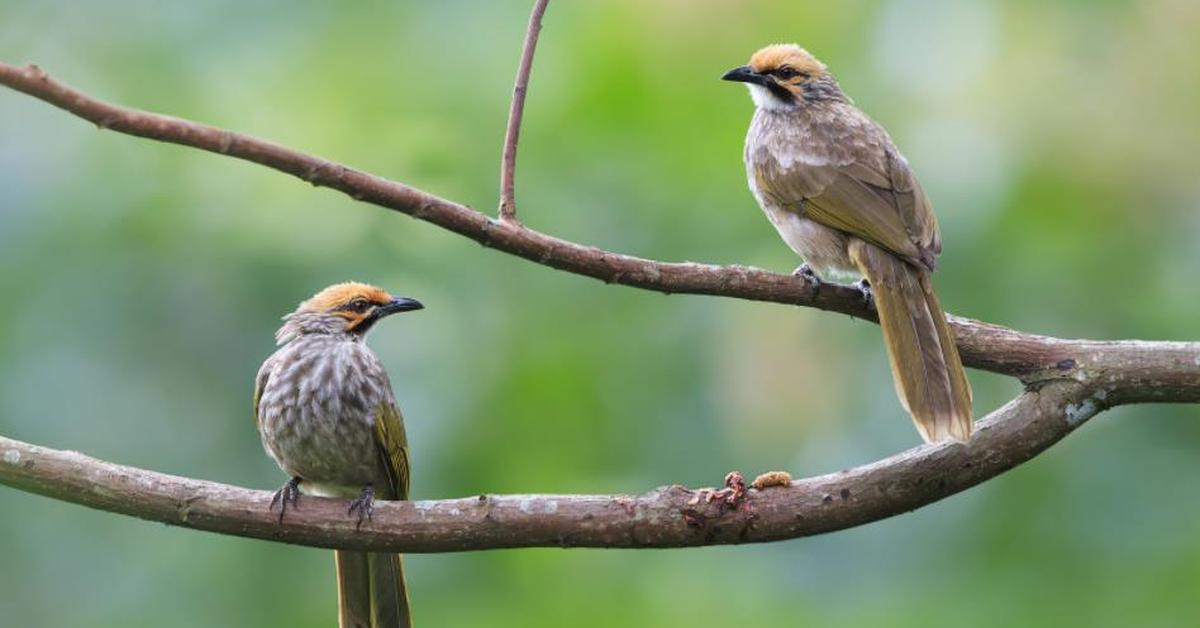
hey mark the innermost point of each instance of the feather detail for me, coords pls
(926, 368)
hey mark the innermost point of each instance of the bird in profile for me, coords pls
(327, 416)
(843, 197)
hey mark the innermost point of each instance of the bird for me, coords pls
(327, 416)
(840, 194)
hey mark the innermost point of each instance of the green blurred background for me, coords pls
(1060, 142)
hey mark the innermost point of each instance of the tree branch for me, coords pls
(1067, 381)
(666, 517)
(508, 161)
(982, 345)
(1104, 375)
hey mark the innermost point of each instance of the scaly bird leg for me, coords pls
(805, 272)
(864, 287)
(288, 493)
(364, 505)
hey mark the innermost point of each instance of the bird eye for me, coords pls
(786, 73)
(360, 305)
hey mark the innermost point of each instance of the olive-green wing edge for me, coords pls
(393, 446)
(260, 382)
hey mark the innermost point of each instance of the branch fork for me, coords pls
(1067, 383)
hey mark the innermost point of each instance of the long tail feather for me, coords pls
(371, 591)
(926, 367)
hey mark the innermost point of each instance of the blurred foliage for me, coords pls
(143, 281)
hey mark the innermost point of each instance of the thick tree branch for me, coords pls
(508, 160)
(666, 517)
(1103, 375)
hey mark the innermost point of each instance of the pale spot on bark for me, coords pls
(1084, 410)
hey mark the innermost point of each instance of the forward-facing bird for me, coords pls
(842, 197)
(327, 416)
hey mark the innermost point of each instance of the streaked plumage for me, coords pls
(843, 197)
(327, 416)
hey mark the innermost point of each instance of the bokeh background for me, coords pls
(1060, 142)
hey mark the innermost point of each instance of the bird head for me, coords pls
(784, 76)
(346, 308)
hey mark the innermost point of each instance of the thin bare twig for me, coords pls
(508, 161)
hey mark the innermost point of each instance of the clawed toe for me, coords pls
(287, 494)
(806, 272)
(364, 506)
(864, 287)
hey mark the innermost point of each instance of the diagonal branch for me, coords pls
(508, 161)
(982, 345)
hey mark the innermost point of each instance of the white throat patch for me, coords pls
(764, 99)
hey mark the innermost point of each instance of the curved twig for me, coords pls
(508, 160)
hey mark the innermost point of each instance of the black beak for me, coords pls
(395, 306)
(399, 304)
(743, 74)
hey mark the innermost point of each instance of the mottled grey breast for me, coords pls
(316, 411)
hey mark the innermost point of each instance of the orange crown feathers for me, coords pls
(340, 294)
(779, 55)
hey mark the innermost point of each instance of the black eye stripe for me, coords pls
(786, 72)
(357, 305)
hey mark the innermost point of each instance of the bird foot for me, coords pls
(287, 494)
(805, 272)
(364, 506)
(864, 287)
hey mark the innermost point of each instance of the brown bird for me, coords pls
(842, 197)
(327, 416)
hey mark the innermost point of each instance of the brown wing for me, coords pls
(884, 206)
(393, 447)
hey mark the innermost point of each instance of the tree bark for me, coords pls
(1067, 382)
